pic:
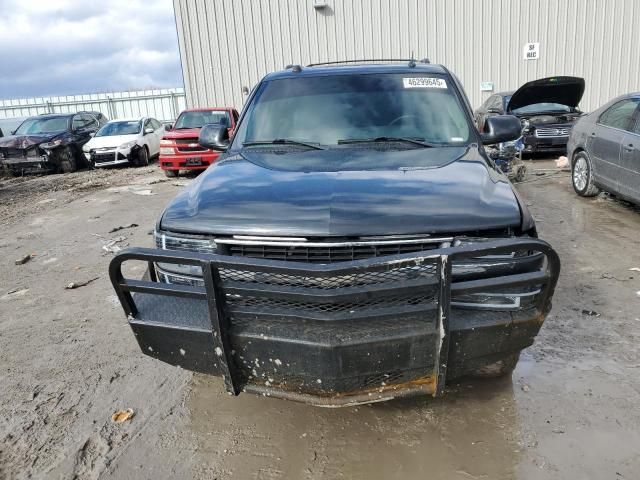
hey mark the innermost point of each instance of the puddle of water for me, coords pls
(469, 433)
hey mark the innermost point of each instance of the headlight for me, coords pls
(185, 243)
(166, 142)
(51, 145)
(167, 151)
(127, 146)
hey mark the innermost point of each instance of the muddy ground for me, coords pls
(69, 361)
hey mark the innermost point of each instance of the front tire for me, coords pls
(143, 157)
(66, 161)
(582, 176)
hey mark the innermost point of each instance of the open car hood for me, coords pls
(563, 90)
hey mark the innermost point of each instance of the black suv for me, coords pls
(353, 244)
(50, 142)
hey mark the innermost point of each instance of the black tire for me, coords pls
(66, 161)
(582, 176)
(501, 368)
(521, 173)
(171, 173)
(143, 157)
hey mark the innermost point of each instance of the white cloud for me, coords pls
(59, 47)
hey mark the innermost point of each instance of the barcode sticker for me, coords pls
(424, 82)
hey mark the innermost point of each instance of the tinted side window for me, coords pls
(155, 124)
(90, 121)
(78, 122)
(619, 115)
(496, 103)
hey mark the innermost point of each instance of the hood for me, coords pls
(27, 141)
(563, 90)
(185, 133)
(109, 141)
(271, 194)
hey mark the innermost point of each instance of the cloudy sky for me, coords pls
(56, 47)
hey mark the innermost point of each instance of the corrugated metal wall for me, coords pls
(164, 104)
(226, 45)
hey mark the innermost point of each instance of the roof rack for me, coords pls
(411, 61)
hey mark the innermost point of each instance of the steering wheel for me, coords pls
(400, 118)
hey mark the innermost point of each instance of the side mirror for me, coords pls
(501, 128)
(168, 127)
(214, 137)
(148, 130)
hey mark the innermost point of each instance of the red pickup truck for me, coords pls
(179, 148)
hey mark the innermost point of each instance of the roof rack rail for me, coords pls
(368, 60)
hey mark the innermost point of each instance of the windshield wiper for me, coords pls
(386, 139)
(282, 141)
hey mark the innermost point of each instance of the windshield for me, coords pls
(35, 126)
(120, 128)
(200, 118)
(328, 110)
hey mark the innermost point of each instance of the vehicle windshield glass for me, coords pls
(328, 110)
(35, 126)
(120, 128)
(200, 118)
(542, 107)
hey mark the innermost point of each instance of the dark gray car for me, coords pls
(604, 149)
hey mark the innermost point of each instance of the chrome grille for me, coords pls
(553, 132)
(330, 251)
(32, 152)
(189, 145)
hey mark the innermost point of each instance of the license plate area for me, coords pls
(193, 161)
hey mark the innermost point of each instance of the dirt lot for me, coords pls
(69, 361)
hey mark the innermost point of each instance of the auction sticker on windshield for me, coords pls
(424, 82)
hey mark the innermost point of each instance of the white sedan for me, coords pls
(132, 141)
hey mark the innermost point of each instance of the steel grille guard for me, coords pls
(218, 326)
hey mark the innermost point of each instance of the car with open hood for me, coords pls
(547, 109)
(49, 142)
(132, 141)
(352, 244)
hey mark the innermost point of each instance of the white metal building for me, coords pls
(226, 46)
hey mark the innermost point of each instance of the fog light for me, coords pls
(496, 300)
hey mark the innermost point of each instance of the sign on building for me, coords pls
(531, 51)
(486, 86)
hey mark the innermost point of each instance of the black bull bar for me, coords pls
(326, 334)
